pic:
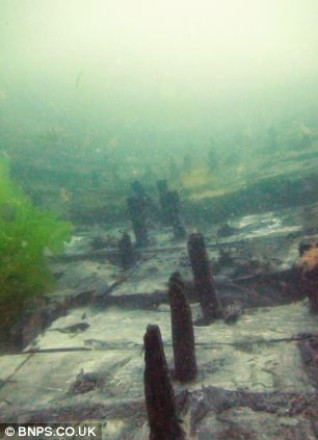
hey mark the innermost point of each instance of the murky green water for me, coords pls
(99, 101)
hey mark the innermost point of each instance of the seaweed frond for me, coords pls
(309, 260)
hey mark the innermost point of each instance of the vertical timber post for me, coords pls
(182, 331)
(126, 252)
(136, 211)
(178, 227)
(159, 395)
(170, 209)
(203, 278)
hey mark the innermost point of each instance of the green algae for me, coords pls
(27, 234)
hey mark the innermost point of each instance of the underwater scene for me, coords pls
(159, 219)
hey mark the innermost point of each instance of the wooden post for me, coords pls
(177, 223)
(126, 252)
(182, 331)
(159, 395)
(136, 211)
(203, 278)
